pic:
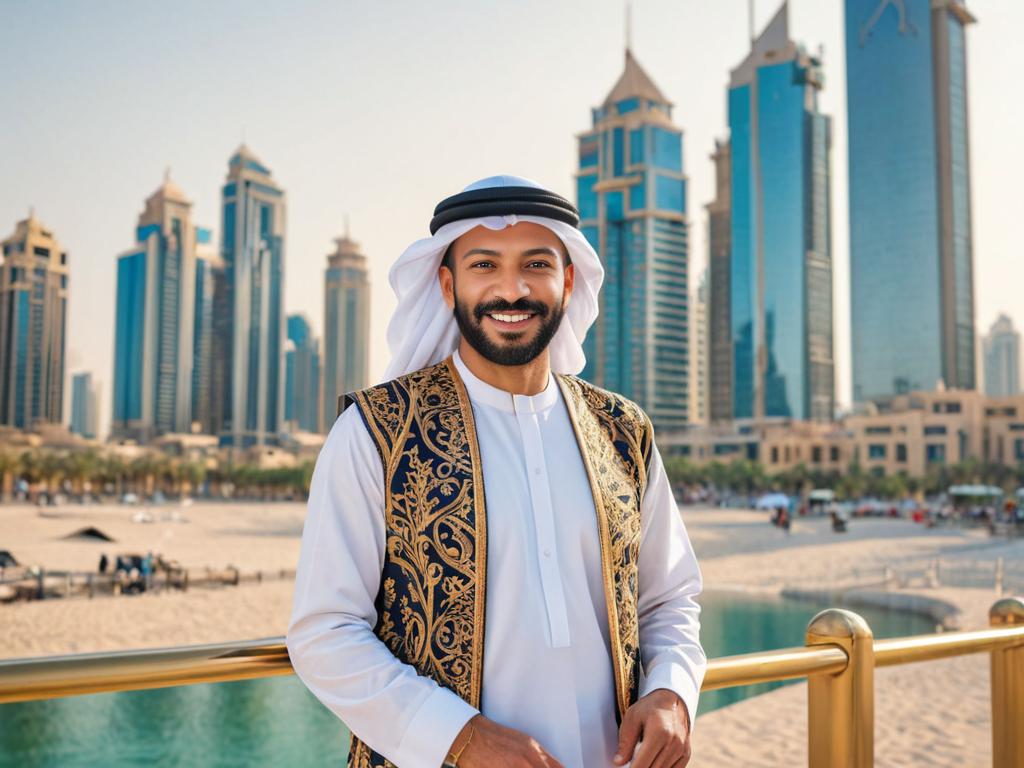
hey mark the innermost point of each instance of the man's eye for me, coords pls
(539, 264)
(476, 264)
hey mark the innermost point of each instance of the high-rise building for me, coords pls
(248, 312)
(631, 192)
(346, 324)
(911, 262)
(698, 413)
(1002, 359)
(301, 377)
(84, 406)
(719, 318)
(208, 264)
(33, 323)
(780, 274)
(155, 321)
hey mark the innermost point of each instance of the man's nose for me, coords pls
(511, 286)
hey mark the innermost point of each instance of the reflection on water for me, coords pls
(278, 722)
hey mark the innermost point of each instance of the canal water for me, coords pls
(277, 722)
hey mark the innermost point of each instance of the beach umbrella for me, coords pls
(773, 500)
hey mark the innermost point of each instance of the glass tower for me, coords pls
(911, 271)
(154, 321)
(780, 270)
(249, 322)
(631, 192)
(301, 376)
(208, 263)
(84, 401)
(719, 255)
(346, 325)
(33, 323)
(1002, 359)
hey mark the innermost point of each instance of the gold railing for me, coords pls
(839, 661)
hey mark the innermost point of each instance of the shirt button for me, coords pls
(547, 553)
(536, 470)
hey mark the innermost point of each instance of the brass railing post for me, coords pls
(1007, 688)
(841, 707)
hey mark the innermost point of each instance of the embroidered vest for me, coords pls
(430, 605)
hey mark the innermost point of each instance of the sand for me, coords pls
(934, 714)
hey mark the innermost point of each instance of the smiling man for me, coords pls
(493, 569)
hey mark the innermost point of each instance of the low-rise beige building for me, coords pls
(907, 434)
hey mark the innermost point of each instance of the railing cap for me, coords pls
(1008, 612)
(835, 624)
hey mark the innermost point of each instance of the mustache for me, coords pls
(520, 305)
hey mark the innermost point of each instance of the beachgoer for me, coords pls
(492, 549)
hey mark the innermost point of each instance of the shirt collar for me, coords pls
(482, 392)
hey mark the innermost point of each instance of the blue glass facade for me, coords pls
(780, 270)
(632, 203)
(910, 238)
(129, 328)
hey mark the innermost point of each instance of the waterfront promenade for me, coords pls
(934, 713)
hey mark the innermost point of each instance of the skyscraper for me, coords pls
(33, 320)
(719, 318)
(154, 321)
(346, 324)
(208, 264)
(780, 273)
(911, 262)
(631, 192)
(1002, 358)
(301, 376)
(248, 312)
(84, 406)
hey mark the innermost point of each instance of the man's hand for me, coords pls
(496, 746)
(661, 720)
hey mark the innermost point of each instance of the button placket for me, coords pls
(544, 524)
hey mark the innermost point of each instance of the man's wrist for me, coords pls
(461, 742)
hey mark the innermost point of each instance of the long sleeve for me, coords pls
(670, 581)
(408, 718)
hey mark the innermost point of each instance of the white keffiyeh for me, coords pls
(423, 330)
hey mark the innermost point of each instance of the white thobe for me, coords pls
(547, 660)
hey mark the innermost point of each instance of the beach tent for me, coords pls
(7, 559)
(89, 533)
(773, 500)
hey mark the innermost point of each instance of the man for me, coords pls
(493, 569)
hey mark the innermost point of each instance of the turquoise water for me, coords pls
(277, 722)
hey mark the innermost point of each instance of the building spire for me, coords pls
(629, 26)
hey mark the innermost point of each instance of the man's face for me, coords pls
(508, 289)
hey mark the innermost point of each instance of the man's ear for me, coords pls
(569, 280)
(447, 281)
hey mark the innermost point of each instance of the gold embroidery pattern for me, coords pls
(617, 437)
(431, 600)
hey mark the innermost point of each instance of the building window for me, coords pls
(1018, 449)
(876, 451)
(901, 453)
(946, 407)
(775, 454)
(935, 429)
(1016, 427)
(833, 453)
(816, 454)
(935, 453)
(877, 430)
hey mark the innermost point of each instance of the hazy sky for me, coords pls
(379, 109)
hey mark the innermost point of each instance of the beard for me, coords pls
(514, 351)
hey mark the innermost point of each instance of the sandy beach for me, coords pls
(934, 714)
